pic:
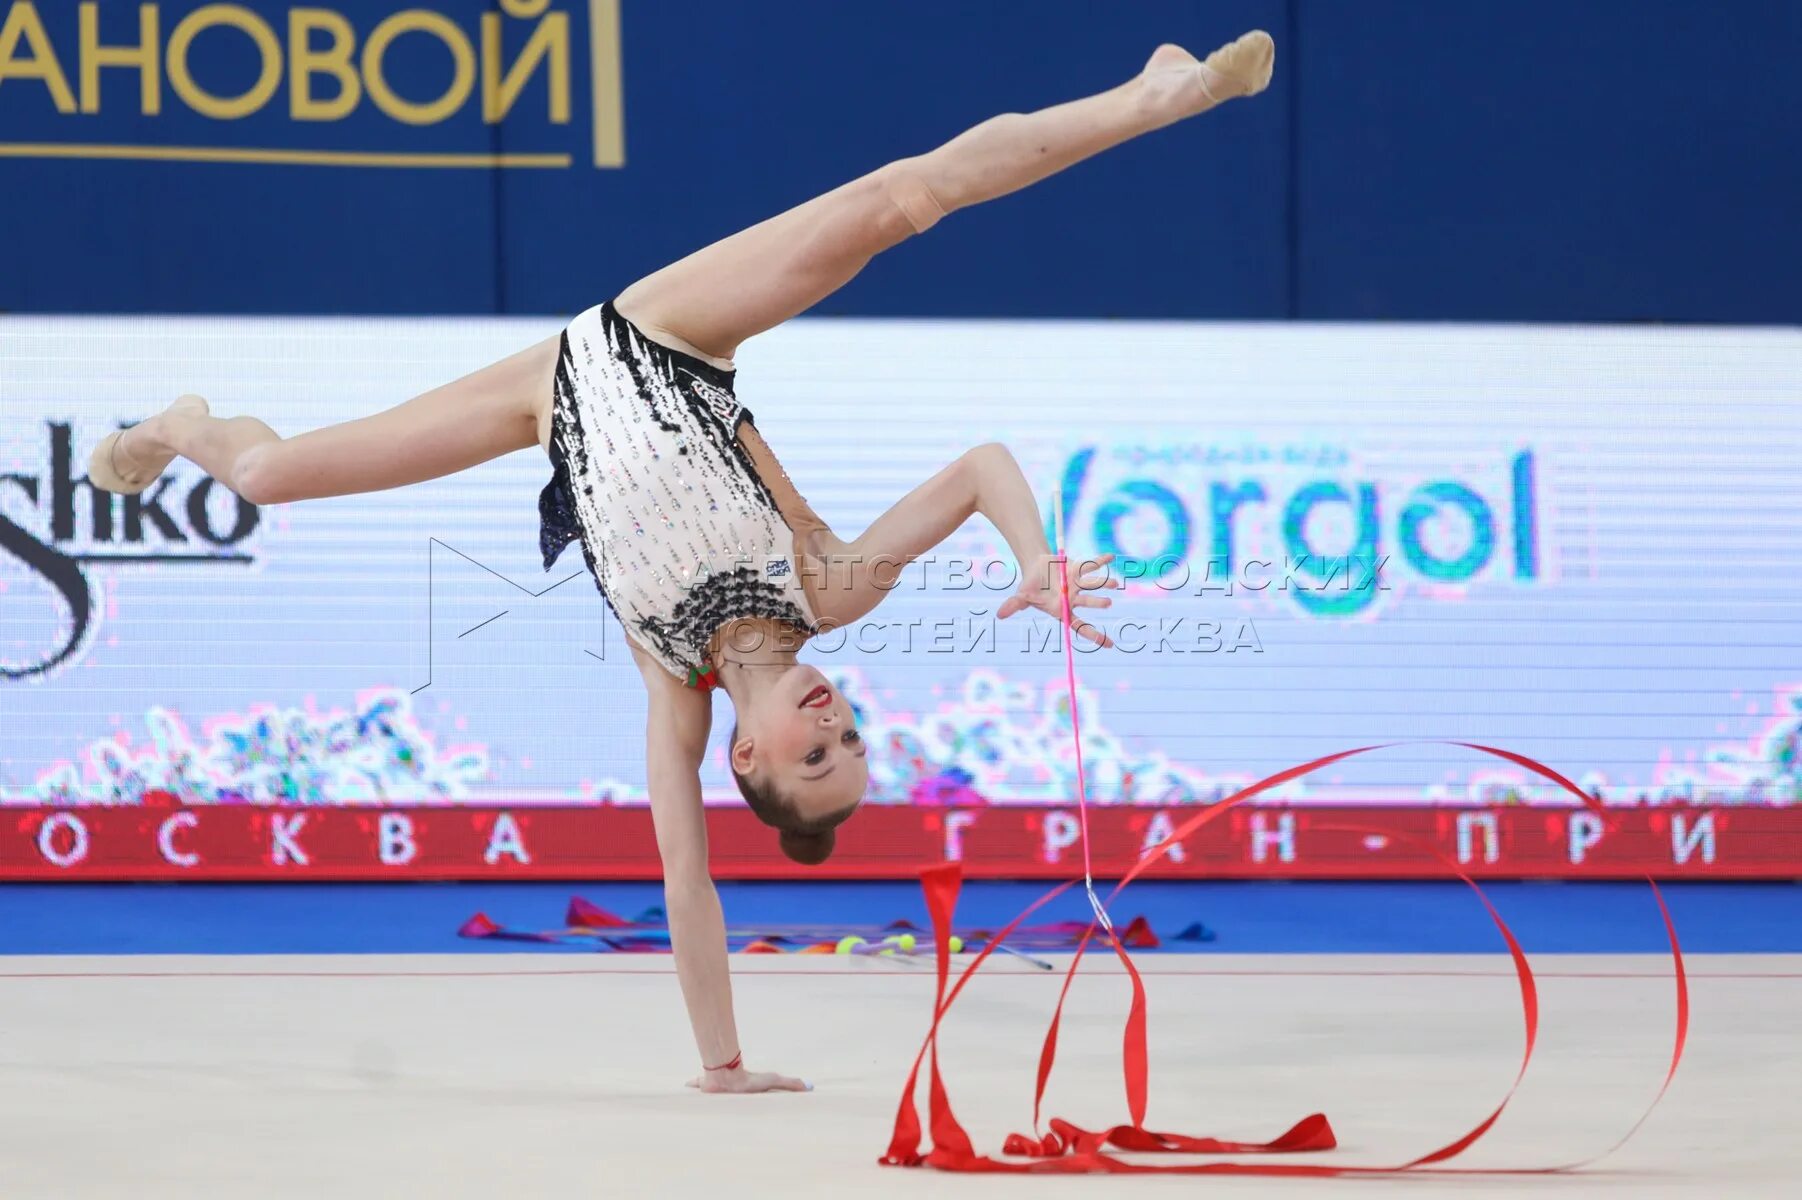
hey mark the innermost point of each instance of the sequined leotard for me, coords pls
(685, 518)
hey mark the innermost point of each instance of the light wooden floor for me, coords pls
(548, 1075)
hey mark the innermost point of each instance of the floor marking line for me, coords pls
(886, 974)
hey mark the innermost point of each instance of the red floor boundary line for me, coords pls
(884, 973)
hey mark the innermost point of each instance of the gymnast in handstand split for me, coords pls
(714, 564)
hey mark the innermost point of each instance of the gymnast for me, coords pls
(714, 564)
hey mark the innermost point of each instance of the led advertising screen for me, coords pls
(1577, 545)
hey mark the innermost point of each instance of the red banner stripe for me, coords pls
(1260, 841)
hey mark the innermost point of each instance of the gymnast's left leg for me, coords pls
(755, 280)
(492, 412)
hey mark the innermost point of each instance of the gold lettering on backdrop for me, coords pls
(229, 16)
(304, 62)
(24, 25)
(143, 56)
(609, 94)
(463, 59)
(329, 69)
(501, 89)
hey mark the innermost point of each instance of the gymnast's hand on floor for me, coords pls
(742, 1082)
(1039, 589)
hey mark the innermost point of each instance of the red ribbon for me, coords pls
(1067, 1148)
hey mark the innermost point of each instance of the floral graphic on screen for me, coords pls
(1000, 740)
(991, 740)
(1771, 772)
(1766, 769)
(374, 753)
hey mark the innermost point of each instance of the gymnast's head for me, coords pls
(799, 761)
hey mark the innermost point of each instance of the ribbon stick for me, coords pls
(1082, 786)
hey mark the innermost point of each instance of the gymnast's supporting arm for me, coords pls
(678, 722)
(985, 480)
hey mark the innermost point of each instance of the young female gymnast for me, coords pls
(717, 568)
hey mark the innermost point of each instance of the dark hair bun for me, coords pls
(808, 849)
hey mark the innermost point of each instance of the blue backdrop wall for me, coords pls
(1527, 160)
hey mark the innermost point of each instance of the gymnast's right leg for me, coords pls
(756, 279)
(484, 415)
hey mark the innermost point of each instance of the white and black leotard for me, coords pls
(653, 474)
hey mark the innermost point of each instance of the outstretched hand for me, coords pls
(739, 1081)
(1039, 589)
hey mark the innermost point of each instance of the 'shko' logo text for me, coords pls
(177, 520)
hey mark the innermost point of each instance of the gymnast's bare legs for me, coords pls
(713, 300)
(710, 302)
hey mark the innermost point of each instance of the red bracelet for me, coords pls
(737, 1061)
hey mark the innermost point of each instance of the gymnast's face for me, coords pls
(804, 742)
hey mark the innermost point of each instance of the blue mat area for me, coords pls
(1255, 918)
